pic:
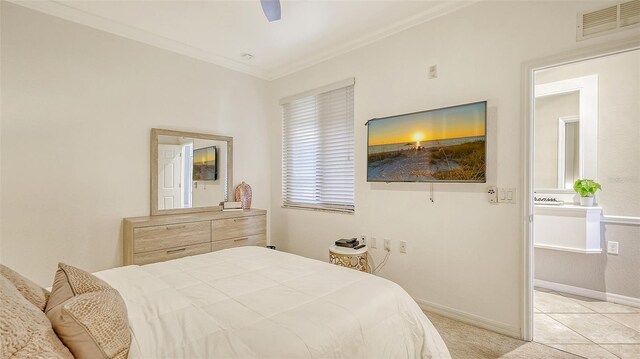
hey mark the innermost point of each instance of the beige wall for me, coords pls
(1, 116)
(619, 174)
(547, 111)
(463, 253)
(78, 106)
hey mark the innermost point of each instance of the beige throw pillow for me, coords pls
(25, 331)
(88, 315)
(31, 291)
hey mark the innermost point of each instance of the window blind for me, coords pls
(318, 151)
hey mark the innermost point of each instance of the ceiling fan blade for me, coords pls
(271, 9)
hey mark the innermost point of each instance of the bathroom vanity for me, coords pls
(567, 227)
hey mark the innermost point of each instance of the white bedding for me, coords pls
(255, 302)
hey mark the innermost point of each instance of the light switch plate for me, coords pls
(507, 195)
(613, 247)
(433, 72)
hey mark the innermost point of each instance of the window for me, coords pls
(317, 149)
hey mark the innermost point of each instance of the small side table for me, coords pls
(351, 258)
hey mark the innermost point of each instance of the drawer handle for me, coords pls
(240, 219)
(176, 250)
(176, 227)
(241, 239)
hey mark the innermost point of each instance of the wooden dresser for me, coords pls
(161, 238)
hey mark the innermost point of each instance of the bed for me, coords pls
(255, 302)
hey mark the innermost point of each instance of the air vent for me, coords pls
(630, 13)
(609, 19)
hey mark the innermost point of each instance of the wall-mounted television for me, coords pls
(441, 145)
(205, 164)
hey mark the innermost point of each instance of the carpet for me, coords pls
(468, 342)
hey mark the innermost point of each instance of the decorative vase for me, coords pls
(243, 194)
(586, 201)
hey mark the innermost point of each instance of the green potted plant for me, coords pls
(586, 188)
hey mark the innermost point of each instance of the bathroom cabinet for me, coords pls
(569, 228)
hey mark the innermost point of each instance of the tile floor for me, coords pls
(586, 327)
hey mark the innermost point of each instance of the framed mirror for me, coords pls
(190, 172)
(568, 151)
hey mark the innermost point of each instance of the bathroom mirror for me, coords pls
(190, 172)
(568, 151)
(566, 120)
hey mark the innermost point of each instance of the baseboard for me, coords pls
(589, 293)
(472, 319)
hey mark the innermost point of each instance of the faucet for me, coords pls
(549, 200)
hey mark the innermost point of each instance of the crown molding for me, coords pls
(72, 14)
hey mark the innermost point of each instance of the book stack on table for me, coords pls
(347, 242)
(232, 206)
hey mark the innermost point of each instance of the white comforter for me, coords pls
(255, 302)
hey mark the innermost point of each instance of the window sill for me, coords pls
(317, 209)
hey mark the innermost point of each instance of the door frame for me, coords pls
(187, 173)
(527, 133)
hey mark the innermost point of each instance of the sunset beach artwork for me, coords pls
(204, 164)
(442, 145)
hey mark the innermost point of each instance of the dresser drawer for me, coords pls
(255, 240)
(171, 253)
(146, 239)
(238, 227)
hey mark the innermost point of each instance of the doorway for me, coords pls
(583, 121)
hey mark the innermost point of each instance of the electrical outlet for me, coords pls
(372, 242)
(612, 247)
(492, 193)
(387, 244)
(363, 239)
(403, 246)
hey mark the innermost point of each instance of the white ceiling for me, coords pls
(220, 31)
